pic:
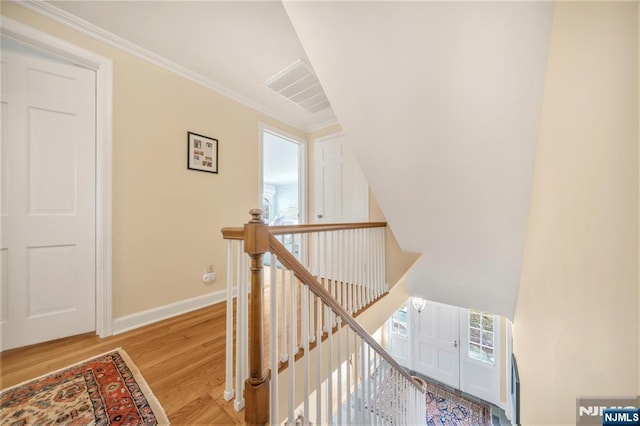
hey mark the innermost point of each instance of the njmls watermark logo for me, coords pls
(622, 411)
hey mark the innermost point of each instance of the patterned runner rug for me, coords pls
(105, 390)
(446, 408)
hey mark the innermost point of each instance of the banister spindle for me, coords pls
(229, 391)
(256, 243)
(273, 336)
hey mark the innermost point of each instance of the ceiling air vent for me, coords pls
(299, 84)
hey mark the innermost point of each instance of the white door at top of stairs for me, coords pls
(48, 206)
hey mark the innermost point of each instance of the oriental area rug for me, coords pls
(105, 390)
(446, 408)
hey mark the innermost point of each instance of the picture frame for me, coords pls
(202, 153)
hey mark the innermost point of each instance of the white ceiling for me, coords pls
(439, 100)
(238, 45)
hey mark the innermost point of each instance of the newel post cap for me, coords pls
(256, 216)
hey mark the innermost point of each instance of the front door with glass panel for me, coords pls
(455, 346)
(480, 358)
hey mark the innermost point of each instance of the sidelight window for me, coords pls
(399, 323)
(481, 337)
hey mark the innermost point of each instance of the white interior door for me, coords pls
(437, 343)
(48, 200)
(341, 192)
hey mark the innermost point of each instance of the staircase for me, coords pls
(316, 364)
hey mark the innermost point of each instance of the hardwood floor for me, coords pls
(182, 359)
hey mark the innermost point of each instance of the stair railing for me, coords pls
(319, 277)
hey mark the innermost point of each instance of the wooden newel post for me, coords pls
(256, 389)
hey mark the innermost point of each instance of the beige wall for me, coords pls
(167, 219)
(576, 321)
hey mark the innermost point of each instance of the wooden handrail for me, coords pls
(237, 233)
(288, 260)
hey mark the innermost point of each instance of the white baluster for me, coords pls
(383, 260)
(305, 343)
(273, 339)
(283, 302)
(228, 391)
(368, 265)
(238, 404)
(349, 393)
(245, 317)
(361, 250)
(379, 262)
(327, 284)
(314, 271)
(319, 363)
(339, 379)
(360, 279)
(293, 349)
(376, 388)
(352, 269)
(330, 378)
(335, 273)
(365, 382)
(356, 380)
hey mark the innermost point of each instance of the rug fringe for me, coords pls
(158, 410)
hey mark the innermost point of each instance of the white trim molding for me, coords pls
(103, 67)
(150, 316)
(303, 163)
(54, 13)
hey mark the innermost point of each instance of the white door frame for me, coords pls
(302, 169)
(103, 68)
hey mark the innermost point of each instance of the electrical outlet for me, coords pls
(209, 277)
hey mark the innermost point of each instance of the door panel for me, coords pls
(52, 166)
(4, 165)
(437, 349)
(480, 378)
(341, 192)
(48, 222)
(47, 265)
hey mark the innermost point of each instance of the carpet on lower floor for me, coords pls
(446, 407)
(105, 390)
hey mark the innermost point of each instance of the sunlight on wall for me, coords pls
(576, 322)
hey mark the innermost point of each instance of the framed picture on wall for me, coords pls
(202, 153)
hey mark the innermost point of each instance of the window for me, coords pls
(481, 336)
(399, 322)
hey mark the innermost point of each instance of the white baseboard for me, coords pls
(139, 319)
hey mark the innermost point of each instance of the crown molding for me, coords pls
(322, 125)
(54, 13)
